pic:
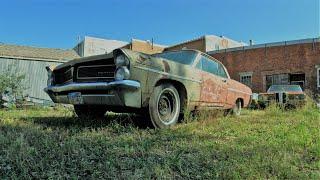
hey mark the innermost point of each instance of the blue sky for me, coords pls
(53, 23)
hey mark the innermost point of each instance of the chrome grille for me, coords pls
(96, 73)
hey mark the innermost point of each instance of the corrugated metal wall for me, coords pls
(35, 72)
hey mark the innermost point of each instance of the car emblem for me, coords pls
(102, 73)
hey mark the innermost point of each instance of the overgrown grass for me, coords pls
(52, 143)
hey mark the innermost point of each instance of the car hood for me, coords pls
(107, 57)
(84, 59)
(287, 92)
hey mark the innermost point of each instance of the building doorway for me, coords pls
(298, 79)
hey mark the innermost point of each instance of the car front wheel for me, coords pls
(90, 111)
(164, 106)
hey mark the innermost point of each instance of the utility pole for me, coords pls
(152, 43)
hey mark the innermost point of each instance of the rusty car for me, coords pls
(287, 96)
(162, 85)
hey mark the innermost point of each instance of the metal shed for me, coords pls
(31, 61)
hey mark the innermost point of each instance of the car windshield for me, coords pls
(183, 57)
(285, 88)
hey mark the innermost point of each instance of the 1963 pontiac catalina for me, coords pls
(162, 85)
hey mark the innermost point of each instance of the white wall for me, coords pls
(94, 46)
(217, 43)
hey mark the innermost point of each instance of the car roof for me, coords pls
(277, 88)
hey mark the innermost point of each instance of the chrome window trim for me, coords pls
(213, 59)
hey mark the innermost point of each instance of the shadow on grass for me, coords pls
(109, 120)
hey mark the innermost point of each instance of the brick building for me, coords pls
(207, 43)
(260, 66)
(147, 47)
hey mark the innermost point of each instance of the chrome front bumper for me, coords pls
(126, 84)
(117, 93)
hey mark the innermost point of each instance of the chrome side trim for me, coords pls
(97, 95)
(167, 74)
(236, 90)
(127, 84)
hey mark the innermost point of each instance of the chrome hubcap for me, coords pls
(167, 106)
(164, 106)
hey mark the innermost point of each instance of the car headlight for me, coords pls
(121, 60)
(50, 79)
(122, 73)
(50, 76)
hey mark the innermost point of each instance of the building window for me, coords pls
(246, 78)
(318, 77)
(277, 79)
(285, 79)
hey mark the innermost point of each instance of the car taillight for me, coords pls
(291, 96)
(270, 97)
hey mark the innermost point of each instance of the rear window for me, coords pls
(212, 67)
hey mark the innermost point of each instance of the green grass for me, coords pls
(52, 143)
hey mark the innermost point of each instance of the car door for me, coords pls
(213, 87)
(223, 76)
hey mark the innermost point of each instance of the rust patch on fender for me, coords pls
(210, 91)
